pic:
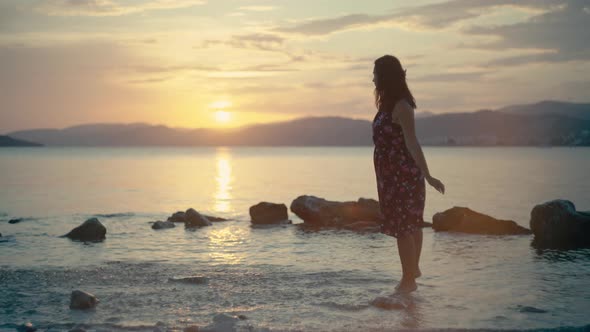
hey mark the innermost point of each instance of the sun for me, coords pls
(222, 116)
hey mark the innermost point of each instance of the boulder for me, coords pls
(465, 220)
(222, 323)
(15, 220)
(192, 218)
(82, 300)
(90, 230)
(265, 213)
(181, 217)
(212, 218)
(26, 327)
(557, 224)
(163, 224)
(321, 212)
(196, 280)
(177, 217)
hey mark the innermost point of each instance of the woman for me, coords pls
(400, 167)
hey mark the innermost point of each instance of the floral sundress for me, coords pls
(400, 182)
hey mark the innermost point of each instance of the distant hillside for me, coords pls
(514, 125)
(9, 141)
(573, 110)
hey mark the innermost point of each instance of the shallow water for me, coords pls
(279, 277)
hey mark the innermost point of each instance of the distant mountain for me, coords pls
(514, 125)
(9, 141)
(573, 110)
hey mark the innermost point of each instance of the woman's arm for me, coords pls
(405, 116)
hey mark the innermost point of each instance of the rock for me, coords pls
(557, 224)
(177, 217)
(212, 218)
(180, 217)
(190, 280)
(192, 328)
(27, 327)
(529, 309)
(90, 230)
(318, 211)
(265, 213)
(82, 300)
(221, 323)
(163, 224)
(195, 219)
(0, 234)
(16, 220)
(426, 224)
(464, 220)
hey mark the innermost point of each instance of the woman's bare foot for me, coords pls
(406, 286)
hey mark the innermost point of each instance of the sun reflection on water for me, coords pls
(223, 180)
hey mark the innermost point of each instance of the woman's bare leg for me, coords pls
(407, 255)
(418, 246)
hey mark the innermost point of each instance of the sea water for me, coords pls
(281, 278)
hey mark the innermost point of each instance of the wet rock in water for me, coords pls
(163, 224)
(195, 219)
(321, 212)
(213, 219)
(426, 224)
(190, 280)
(27, 327)
(557, 224)
(180, 216)
(221, 323)
(529, 309)
(265, 213)
(177, 217)
(465, 220)
(90, 230)
(15, 220)
(82, 300)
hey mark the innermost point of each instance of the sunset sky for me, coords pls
(214, 63)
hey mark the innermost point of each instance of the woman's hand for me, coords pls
(439, 186)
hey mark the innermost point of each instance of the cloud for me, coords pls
(446, 77)
(108, 7)
(259, 41)
(257, 8)
(562, 35)
(432, 16)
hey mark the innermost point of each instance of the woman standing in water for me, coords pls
(400, 166)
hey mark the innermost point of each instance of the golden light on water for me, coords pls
(223, 181)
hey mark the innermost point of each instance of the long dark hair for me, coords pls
(391, 85)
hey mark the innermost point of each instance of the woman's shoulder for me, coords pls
(403, 103)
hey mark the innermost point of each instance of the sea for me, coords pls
(279, 277)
